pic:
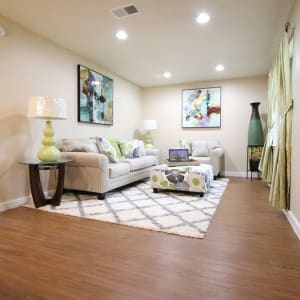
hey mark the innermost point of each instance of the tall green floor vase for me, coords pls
(255, 138)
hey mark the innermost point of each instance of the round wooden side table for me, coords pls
(37, 193)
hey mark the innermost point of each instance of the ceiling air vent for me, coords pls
(125, 11)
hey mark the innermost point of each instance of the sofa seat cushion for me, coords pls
(202, 159)
(118, 169)
(139, 163)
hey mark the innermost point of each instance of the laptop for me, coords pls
(178, 155)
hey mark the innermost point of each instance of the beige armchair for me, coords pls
(206, 151)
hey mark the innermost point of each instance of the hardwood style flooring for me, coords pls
(249, 252)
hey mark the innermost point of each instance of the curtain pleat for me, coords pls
(266, 161)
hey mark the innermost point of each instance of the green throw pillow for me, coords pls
(106, 148)
(115, 144)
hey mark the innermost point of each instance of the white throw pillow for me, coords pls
(141, 147)
(199, 148)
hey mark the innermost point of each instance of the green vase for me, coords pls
(255, 139)
(255, 131)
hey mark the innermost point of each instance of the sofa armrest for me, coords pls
(153, 152)
(216, 156)
(86, 159)
(216, 152)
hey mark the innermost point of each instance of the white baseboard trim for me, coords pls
(240, 174)
(21, 201)
(14, 203)
(293, 222)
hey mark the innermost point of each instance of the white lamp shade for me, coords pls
(47, 108)
(150, 124)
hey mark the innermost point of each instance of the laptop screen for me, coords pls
(178, 154)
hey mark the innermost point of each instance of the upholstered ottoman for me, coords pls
(184, 178)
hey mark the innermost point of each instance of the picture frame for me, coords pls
(201, 108)
(95, 97)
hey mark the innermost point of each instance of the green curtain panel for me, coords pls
(266, 161)
(281, 177)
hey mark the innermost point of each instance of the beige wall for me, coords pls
(29, 66)
(295, 188)
(164, 105)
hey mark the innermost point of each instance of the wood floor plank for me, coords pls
(250, 252)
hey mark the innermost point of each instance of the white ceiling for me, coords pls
(242, 35)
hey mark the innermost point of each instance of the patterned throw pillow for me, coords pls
(90, 148)
(199, 148)
(186, 145)
(106, 148)
(130, 149)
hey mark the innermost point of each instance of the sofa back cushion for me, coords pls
(199, 148)
(92, 148)
(74, 144)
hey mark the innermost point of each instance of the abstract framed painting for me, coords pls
(95, 97)
(201, 108)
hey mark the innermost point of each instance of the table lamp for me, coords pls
(148, 126)
(48, 108)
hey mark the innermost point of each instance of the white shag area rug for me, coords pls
(184, 214)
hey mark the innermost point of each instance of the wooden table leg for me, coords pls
(59, 187)
(38, 196)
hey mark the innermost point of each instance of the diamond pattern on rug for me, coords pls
(185, 214)
(128, 215)
(168, 221)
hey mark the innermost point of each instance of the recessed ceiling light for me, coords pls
(167, 74)
(122, 35)
(219, 68)
(203, 18)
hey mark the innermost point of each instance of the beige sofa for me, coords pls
(92, 172)
(206, 151)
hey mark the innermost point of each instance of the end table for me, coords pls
(38, 196)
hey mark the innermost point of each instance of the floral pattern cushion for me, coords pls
(192, 179)
(130, 149)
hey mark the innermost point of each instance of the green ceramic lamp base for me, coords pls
(148, 140)
(49, 152)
